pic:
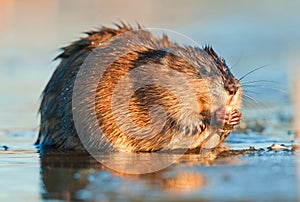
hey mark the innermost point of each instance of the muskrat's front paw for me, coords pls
(221, 116)
(227, 119)
(235, 117)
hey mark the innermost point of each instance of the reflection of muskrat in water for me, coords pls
(216, 91)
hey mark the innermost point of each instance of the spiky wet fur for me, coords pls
(208, 75)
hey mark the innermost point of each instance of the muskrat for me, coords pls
(196, 126)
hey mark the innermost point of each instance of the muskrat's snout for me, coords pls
(231, 88)
(230, 116)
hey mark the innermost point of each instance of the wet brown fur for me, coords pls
(57, 128)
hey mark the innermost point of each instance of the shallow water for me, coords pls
(247, 34)
(269, 175)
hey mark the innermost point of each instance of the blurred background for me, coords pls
(248, 34)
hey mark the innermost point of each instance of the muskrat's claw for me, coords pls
(227, 119)
(235, 117)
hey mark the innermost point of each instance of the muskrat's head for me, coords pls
(225, 80)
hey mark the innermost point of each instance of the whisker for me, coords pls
(251, 98)
(266, 87)
(250, 91)
(254, 70)
(250, 104)
(258, 81)
(235, 64)
(247, 101)
(255, 104)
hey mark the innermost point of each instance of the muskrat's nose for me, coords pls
(231, 88)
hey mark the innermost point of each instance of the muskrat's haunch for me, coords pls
(184, 125)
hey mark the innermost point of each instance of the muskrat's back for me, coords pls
(192, 127)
